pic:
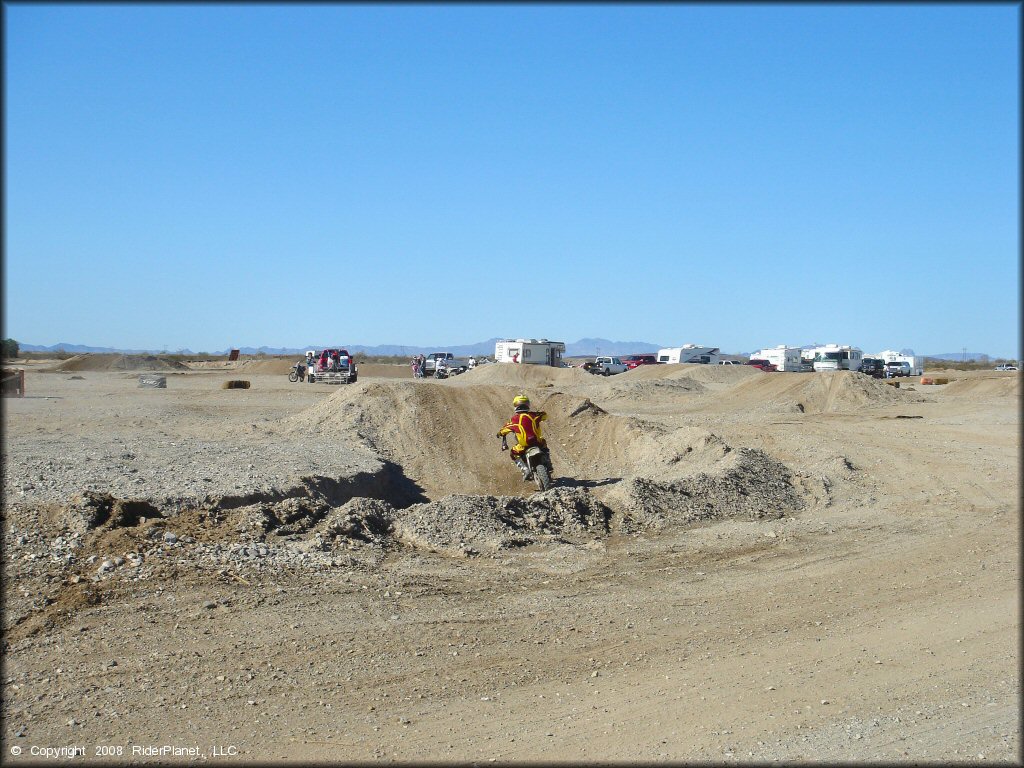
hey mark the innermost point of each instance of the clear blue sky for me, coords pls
(202, 176)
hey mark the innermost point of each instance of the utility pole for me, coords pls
(964, 351)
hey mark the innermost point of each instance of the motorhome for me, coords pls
(916, 362)
(689, 353)
(782, 357)
(529, 351)
(836, 357)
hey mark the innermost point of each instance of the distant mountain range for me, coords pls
(574, 349)
(582, 348)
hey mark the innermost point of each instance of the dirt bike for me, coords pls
(298, 373)
(535, 463)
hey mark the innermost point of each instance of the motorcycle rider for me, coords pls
(525, 425)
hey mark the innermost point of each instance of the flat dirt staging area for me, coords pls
(732, 566)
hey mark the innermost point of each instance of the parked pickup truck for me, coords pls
(897, 368)
(332, 366)
(632, 361)
(873, 367)
(606, 366)
(452, 363)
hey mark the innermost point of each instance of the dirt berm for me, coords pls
(115, 362)
(631, 474)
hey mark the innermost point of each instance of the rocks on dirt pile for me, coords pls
(472, 524)
(752, 486)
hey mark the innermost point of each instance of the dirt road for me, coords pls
(733, 566)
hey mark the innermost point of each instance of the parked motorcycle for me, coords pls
(538, 464)
(298, 373)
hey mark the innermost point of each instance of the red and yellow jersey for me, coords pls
(525, 425)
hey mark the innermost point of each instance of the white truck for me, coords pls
(782, 357)
(606, 366)
(837, 357)
(689, 353)
(529, 352)
(452, 364)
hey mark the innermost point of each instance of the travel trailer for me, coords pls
(529, 351)
(689, 353)
(835, 357)
(916, 362)
(782, 357)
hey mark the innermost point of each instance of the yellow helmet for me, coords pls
(521, 403)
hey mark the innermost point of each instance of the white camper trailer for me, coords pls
(837, 357)
(529, 351)
(916, 362)
(689, 353)
(782, 357)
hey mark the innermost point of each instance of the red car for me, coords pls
(764, 365)
(632, 361)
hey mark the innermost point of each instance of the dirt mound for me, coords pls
(443, 437)
(512, 375)
(842, 391)
(748, 486)
(275, 365)
(705, 374)
(992, 386)
(383, 370)
(107, 362)
(666, 390)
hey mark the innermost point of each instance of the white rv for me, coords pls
(529, 351)
(916, 362)
(689, 353)
(782, 357)
(836, 357)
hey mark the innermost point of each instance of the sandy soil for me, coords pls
(732, 567)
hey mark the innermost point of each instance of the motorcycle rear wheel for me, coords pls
(542, 477)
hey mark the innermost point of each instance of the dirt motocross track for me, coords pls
(732, 566)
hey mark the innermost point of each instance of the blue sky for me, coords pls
(203, 176)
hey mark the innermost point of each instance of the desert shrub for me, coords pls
(9, 349)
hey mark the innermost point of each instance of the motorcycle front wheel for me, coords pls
(542, 477)
(293, 377)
